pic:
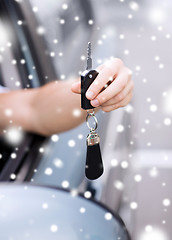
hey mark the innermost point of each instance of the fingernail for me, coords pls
(89, 94)
(95, 103)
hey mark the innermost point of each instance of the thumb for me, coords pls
(76, 87)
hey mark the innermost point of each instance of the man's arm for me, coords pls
(55, 108)
(50, 109)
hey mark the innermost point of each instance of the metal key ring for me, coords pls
(95, 119)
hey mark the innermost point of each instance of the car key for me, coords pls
(87, 77)
(94, 164)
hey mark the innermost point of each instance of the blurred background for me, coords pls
(48, 41)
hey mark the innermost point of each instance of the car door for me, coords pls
(24, 60)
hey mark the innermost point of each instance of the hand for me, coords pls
(113, 87)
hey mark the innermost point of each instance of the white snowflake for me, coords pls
(82, 210)
(71, 143)
(55, 41)
(54, 228)
(40, 30)
(76, 18)
(22, 61)
(65, 184)
(87, 194)
(58, 163)
(119, 185)
(65, 6)
(133, 205)
(55, 138)
(166, 202)
(167, 121)
(138, 178)
(13, 176)
(14, 135)
(48, 171)
(148, 228)
(19, 22)
(124, 164)
(41, 149)
(134, 5)
(108, 216)
(120, 128)
(90, 22)
(114, 162)
(153, 108)
(45, 205)
(30, 76)
(35, 9)
(76, 112)
(62, 21)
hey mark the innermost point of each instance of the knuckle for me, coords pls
(118, 105)
(102, 100)
(124, 104)
(119, 97)
(122, 85)
(111, 108)
(94, 86)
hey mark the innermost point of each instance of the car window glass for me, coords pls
(9, 73)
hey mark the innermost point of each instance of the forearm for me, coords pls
(14, 110)
(56, 108)
(50, 109)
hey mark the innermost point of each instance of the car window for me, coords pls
(66, 30)
(23, 57)
(17, 70)
(10, 76)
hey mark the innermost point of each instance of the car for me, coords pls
(36, 170)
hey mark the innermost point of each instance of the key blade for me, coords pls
(89, 59)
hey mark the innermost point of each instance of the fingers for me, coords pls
(121, 95)
(76, 87)
(107, 72)
(113, 89)
(122, 103)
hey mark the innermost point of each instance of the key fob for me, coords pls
(87, 77)
(94, 164)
